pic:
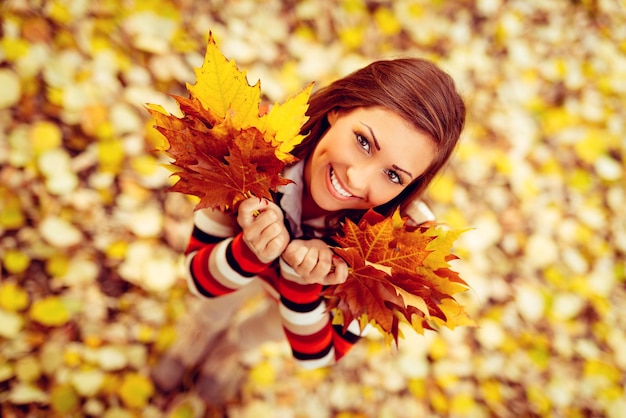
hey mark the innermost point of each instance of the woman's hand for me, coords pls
(264, 231)
(315, 262)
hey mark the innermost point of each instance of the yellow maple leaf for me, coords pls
(443, 242)
(455, 314)
(282, 124)
(221, 87)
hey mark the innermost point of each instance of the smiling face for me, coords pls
(366, 158)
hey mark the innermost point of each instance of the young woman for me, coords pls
(374, 139)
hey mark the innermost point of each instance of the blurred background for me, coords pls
(90, 242)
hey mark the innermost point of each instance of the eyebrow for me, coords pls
(377, 145)
(395, 167)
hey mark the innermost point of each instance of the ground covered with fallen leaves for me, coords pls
(91, 288)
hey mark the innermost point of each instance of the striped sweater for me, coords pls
(219, 262)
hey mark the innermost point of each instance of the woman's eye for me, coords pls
(363, 142)
(394, 177)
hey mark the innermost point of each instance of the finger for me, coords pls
(271, 243)
(276, 246)
(340, 272)
(260, 224)
(252, 203)
(267, 206)
(324, 263)
(253, 234)
(273, 235)
(294, 253)
(249, 209)
(305, 268)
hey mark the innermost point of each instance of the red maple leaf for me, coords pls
(215, 161)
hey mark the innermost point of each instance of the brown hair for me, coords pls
(416, 89)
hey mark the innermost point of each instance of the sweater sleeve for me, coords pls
(217, 259)
(315, 341)
(418, 212)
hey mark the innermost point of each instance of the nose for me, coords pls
(358, 177)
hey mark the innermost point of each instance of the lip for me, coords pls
(331, 188)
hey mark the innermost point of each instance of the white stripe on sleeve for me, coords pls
(222, 271)
(190, 283)
(304, 318)
(214, 223)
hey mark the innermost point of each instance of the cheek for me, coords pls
(326, 154)
(383, 193)
(316, 156)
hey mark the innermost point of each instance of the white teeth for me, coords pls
(337, 186)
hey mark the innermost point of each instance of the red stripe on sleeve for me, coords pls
(272, 277)
(247, 260)
(341, 346)
(193, 245)
(299, 293)
(200, 268)
(310, 344)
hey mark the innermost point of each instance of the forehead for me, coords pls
(383, 118)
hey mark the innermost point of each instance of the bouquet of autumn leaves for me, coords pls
(225, 151)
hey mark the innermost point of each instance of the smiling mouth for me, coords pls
(340, 190)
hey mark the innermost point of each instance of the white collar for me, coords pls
(291, 202)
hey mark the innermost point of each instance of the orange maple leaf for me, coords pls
(226, 147)
(397, 273)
